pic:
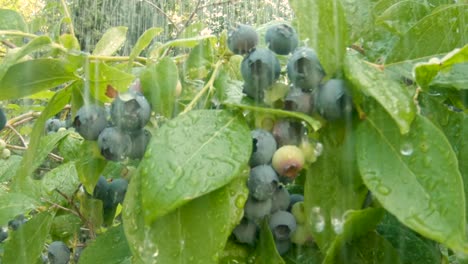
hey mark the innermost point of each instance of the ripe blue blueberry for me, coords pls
(242, 39)
(287, 132)
(280, 199)
(332, 100)
(299, 101)
(117, 191)
(259, 69)
(246, 231)
(101, 192)
(3, 235)
(114, 144)
(17, 222)
(283, 246)
(58, 253)
(89, 121)
(304, 69)
(262, 182)
(281, 39)
(264, 145)
(294, 198)
(53, 125)
(3, 119)
(130, 111)
(256, 210)
(140, 140)
(282, 224)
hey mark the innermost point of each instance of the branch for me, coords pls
(163, 13)
(52, 155)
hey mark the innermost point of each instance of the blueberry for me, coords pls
(17, 222)
(293, 199)
(287, 132)
(281, 38)
(89, 121)
(58, 253)
(101, 192)
(140, 140)
(130, 111)
(262, 182)
(3, 119)
(117, 190)
(246, 232)
(242, 39)
(288, 160)
(53, 125)
(283, 246)
(3, 235)
(264, 145)
(114, 144)
(256, 210)
(299, 101)
(280, 199)
(282, 224)
(332, 100)
(77, 253)
(304, 69)
(259, 69)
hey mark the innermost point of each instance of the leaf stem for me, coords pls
(208, 86)
(116, 58)
(17, 33)
(67, 15)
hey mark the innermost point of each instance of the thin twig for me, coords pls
(13, 120)
(9, 44)
(59, 206)
(18, 134)
(189, 20)
(218, 3)
(52, 155)
(163, 13)
(67, 14)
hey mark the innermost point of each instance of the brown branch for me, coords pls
(9, 44)
(18, 134)
(52, 155)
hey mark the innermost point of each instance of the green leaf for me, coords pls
(13, 204)
(159, 82)
(29, 77)
(92, 210)
(36, 152)
(65, 226)
(13, 57)
(359, 18)
(192, 155)
(111, 41)
(332, 185)
(179, 43)
(401, 16)
(70, 147)
(63, 178)
(12, 20)
(108, 248)
(200, 60)
(326, 35)
(8, 167)
(448, 65)
(419, 181)
(193, 233)
(355, 224)
(101, 75)
(143, 42)
(69, 41)
(439, 32)
(26, 243)
(411, 247)
(266, 252)
(368, 249)
(391, 95)
(89, 165)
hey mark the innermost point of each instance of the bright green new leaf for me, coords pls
(393, 97)
(193, 233)
(419, 182)
(25, 244)
(12, 20)
(192, 155)
(13, 204)
(200, 60)
(111, 41)
(323, 25)
(101, 75)
(442, 31)
(29, 77)
(89, 165)
(159, 82)
(143, 42)
(108, 248)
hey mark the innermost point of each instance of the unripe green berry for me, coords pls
(299, 213)
(5, 153)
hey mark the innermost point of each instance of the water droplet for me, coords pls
(383, 190)
(240, 201)
(337, 225)
(406, 149)
(317, 220)
(318, 149)
(424, 146)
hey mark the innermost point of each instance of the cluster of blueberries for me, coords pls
(124, 135)
(261, 69)
(275, 162)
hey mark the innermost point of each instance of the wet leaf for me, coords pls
(327, 36)
(359, 18)
(159, 82)
(63, 178)
(193, 233)
(333, 185)
(390, 94)
(439, 32)
(143, 41)
(266, 252)
(101, 75)
(200, 60)
(8, 167)
(108, 248)
(26, 243)
(192, 155)
(111, 41)
(419, 182)
(29, 77)
(401, 16)
(90, 165)
(13, 204)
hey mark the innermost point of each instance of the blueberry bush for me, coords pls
(338, 137)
